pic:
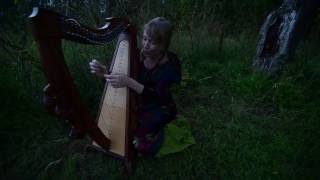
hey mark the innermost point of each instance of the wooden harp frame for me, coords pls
(61, 96)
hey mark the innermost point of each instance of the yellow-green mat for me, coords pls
(178, 137)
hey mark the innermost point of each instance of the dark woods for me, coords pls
(216, 18)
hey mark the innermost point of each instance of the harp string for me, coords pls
(115, 99)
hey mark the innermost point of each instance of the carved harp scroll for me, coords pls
(49, 28)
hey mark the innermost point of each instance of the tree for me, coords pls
(281, 32)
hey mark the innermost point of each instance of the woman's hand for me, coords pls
(97, 68)
(117, 80)
(121, 80)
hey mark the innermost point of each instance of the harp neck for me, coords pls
(48, 24)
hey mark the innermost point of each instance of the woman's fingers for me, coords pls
(114, 75)
(94, 61)
(111, 76)
(95, 67)
(96, 64)
(115, 80)
(116, 85)
(95, 71)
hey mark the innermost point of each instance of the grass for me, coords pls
(246, 124)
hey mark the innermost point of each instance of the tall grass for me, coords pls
(246, 125)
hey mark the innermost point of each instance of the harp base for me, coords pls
(76, 134)
(126, 160)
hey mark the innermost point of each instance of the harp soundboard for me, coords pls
(114, 107)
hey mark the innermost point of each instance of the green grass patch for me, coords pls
(246, 125)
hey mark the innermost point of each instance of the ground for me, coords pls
(247, 125)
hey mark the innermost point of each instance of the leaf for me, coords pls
(178, 137)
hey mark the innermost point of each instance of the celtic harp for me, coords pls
(115, 120)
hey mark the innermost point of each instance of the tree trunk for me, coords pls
(281, 32)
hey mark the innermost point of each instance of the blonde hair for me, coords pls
(159, 29)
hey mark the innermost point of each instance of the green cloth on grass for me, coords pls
(178, 137)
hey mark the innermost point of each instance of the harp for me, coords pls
(112, 131)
